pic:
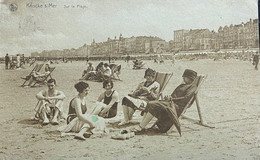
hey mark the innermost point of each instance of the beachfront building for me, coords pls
(199, 39)
(178, 39)
(244, 35)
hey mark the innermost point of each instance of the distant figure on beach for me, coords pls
(147, 90)
(256, 60)
(49, 107)
(173, 59)
(82, 119)
(110, 98)
(18, 61)
(7, 60)
(168, 110)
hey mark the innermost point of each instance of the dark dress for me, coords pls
(167, 112)
(72, 112)
(113, 110)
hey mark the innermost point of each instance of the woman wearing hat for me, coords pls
(146, 91)
(168, 110)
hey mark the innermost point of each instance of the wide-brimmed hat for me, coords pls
(190, 74)
(149, 72)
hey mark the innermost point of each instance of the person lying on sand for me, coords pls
(50, 104)
(110, 98)
(168, 110)
(147, 90)
(82, 119)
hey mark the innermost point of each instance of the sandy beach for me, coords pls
(229, 101)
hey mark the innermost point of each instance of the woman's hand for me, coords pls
(167, 98)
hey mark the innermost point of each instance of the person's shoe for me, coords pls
(138, 130)
(45, 122)
(123, 123)
(80, 137)
(54, 122)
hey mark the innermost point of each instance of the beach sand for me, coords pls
(229, 101)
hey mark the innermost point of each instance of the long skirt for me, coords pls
(76, 125)
(166, 114)
(135, 103)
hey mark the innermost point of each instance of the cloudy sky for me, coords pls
(59, 25)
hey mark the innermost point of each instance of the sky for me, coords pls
(38, 25)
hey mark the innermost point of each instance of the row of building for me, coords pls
(227, 37)
(244, 35)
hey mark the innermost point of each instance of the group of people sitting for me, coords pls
(102, 72)
(82, 119)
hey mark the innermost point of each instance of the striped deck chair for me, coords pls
(36, 68)
(116, 70)
(43, 79)
(201, 79)
(162, 79)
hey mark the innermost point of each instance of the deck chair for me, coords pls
(139, 65)
(43, 79)
(162, 79)
(36, 68)
(195, 98)
(116, 70)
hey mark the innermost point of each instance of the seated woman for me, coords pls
(168, 110)
(147, 90)
(79, 119)
(89, 69)
(111, 98)
(96, 74)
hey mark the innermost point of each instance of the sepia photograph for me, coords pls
(129, 79)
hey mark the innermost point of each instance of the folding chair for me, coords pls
(36, 68)
(115, 71)
(201, 79)
(43, 79)
(162, 79)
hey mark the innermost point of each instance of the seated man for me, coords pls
(37, 75)
(168, 110)
(89, 69)
(147, 90)
(50, 104)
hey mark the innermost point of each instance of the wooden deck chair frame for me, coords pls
(36, 68)
(113, 72)
(195, 98)
(163, 79)
(45, 77)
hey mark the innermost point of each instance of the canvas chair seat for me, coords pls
(36, 68)
(163, 79)
(43, 79)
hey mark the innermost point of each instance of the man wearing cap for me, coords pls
(168, 110)
(147, 90)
